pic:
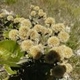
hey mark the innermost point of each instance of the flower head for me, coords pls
(41, 13)
(59, 70)
(67, 51)
(38, 27)
(53, 41)
(36, 8)
(26, 22)
(58, 49)
(33, 34)
(33, 13)
(32, 6)
(58, 27)
(50, 21)
(26, 45)
(23, 30)
(68, 66)
(10, 18)
(18, 20)
(63, 36)
(48, 31)
(35, 52)
(13, 34)
(2, 15)
(52, 57)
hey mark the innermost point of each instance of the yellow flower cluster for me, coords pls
(38, 39)
(36, 11)
(49, 21)
(64, 51)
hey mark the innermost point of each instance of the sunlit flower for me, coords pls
(58, 27)
(38, 27)
(59, 70)
(36, 8)
(41, 13)
(52, 57)
(63, 36)
(32, 6)
(59, 51)
(26, 45)
(53, 41)
(33, 13)
(2, 15)
(33, 34)
(13, 34)
(67, 51)
(18, 20)
(10, 18)
(35, 52)
(49, 20)
(48, 31)
(26, 22)
(68, 66)
(23, 30)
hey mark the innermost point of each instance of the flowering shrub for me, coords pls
(34, 48)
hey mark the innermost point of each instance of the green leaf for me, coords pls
(10, 52)
(9, 70)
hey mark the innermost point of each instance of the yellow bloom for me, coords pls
(59, 51)
(59, 71)
(48, 31)
(2, 15)
(32, 6)
(17, 20)
(13, 34)
(67, 51)
(26, 22)
(32, 33)
(41, 13)
(36, 8)
(10, 18)
(35, 52)
(38, 27)
(23, 30)
(53, 41)
(26, 45)
(63, 36)
(68, 66)
(49, 20)
(58, 27)
(52, 57)
(33, 13)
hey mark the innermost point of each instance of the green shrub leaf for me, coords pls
(10, 52)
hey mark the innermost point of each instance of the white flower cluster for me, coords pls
(37, 39)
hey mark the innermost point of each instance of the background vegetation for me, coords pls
(67, 11)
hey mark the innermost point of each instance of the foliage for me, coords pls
(10, 54)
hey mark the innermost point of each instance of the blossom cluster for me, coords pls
(42, 39)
